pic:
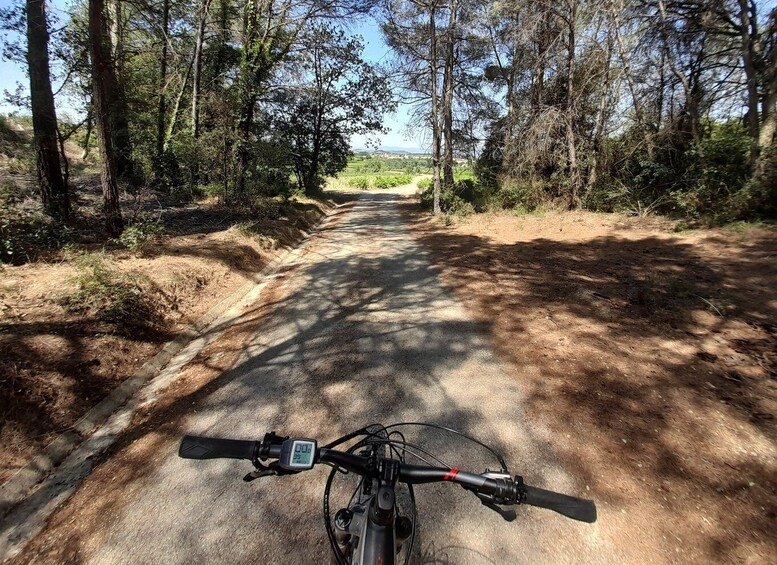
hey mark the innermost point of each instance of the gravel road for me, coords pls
(362, 331)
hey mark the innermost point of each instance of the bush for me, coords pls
(450, 203)
(108, 295)
(263, 208)
(373, 165)
(24, 234)
(391, 181)
(360, 182)
(424, 184)
(212, 190)
(142, 231)
(607, 197)
(526, 194)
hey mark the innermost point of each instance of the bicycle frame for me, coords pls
(375, 543)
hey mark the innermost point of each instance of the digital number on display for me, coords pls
(303, 453)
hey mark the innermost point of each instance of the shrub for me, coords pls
(450, 203)
(385, 181)
(360, 182)
(24, 234)
(372, 165)
(212, 190)
(141, 233)
(424, 184)
(108, 295)
(527, 194)
(263, 208)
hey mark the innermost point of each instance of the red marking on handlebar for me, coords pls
(450, 475)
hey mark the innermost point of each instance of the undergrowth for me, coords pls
(108, 295)
(141, 233)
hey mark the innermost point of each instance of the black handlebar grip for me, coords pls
(569, 506)
(194, 447)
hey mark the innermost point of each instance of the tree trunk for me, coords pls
(197, 66)
(253, 68)
(222, 38)
(104, 92)
(162, 100)
(435, 110)
(574, 173)
(53, 188)
(639, 114)
(768, 117)
(88, 135)
(747, 23)
(593, 173)
(176, 109)
(118, 110)
(448, 87)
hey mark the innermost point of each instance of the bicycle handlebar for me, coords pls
(501, 490)
(194, 447)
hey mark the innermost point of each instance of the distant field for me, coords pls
(380, 171)
(387, 171)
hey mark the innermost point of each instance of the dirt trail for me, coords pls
(359, 329)
(652, 356)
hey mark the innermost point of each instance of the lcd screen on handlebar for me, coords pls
(302, 454)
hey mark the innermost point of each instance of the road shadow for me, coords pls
(655, 361)
(345, 340)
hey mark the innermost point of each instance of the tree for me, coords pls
(340, 96)
(119, 112)
(410, 29)
(196, 81)
(162, 95)
(271, 30)
(53, 189)
(105, 93)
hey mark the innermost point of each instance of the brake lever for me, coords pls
(507, 514)
(270, 470)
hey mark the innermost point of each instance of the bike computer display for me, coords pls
(297, 454)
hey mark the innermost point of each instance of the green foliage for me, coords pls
(424, 184)
(263, 208)
(24, 234)
(373, 166)
(340, 96)
(391, 181)
(5, 129)
(527, 195)
(757, 199)
(717, 170)
(141, 233)
(361, 165)
(360, 182)
(450, 203)
(707, 179)
(107, 295)
(211, 190)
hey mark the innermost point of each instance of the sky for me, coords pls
(375, 51)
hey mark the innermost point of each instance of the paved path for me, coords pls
(363, 331)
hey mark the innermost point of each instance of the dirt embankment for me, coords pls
(56, 361)
(653, 357)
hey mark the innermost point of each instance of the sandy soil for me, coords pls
(55, 365)
(653, 356)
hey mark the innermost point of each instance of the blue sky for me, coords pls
(375, 51)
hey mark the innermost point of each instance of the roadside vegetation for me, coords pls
(81, 311)
(637, 107)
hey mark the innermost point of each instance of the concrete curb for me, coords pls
(173, 356)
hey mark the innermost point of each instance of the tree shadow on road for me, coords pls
(655, 361)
